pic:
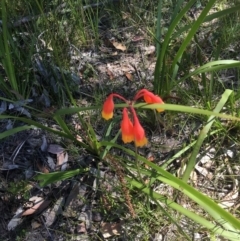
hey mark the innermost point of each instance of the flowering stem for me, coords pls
(133, 113)
(137, 164)
(136, 155)
(119, 96)
(139, 94)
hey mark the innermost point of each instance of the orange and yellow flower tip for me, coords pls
(127, 128)
(150, 98)
(108, 106)
(139, 134)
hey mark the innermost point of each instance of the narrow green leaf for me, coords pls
(48, 178)
(159, 29)
(203, 134)
(180, 108)
(217, 229)
(192, 31)
(159, 74)
(182, 151)
(14, 131)
(210, 67)
(72, 110)
(63, 125)
(204, 201)
(208, 18)
(37, 124)
(6, 55)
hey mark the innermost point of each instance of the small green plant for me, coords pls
(20, 188)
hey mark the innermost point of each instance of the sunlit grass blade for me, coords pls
(203, 134)
(178, 6)
(14, 131)
(48, 178)
(192, 31)
(172, 107)
(5, 51)
(209, 18)
(51, 130)
(107, 148)
(159, 74)
(62, 124)
(218, 213)
(159, 29)
(212, 66)
(182, 151)
(73, 110)
(213, 228)
(182, 108)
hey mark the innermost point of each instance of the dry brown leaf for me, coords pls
(79, 138)
(119, 46)
(55, 149)
(203, 171)
(35, 224)
(110, 229)
(65, 161)
(129, 76)
(125, 15)
(62, 159)
(39, 205)
(81, 228)
(110, 74)
(137, 38)
(42, 168)
(150, 158)
(194, 177)
(149, 50)
(51, 163)
(16, 220)
(51, 213)
(77, 127)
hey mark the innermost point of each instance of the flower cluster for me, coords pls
(131, 129)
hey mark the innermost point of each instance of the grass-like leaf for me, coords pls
(48, 178)
(209, 18)
(222, 217)
(212, 66)
(14, 131)
(159, 74)
(203, 134)
(191, 33)
(5, 51)
(213, 228)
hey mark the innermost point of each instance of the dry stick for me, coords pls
(44, 224)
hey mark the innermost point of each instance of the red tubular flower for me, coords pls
(149, 98)
(108, 106)
(127, 128)
(138, 131)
